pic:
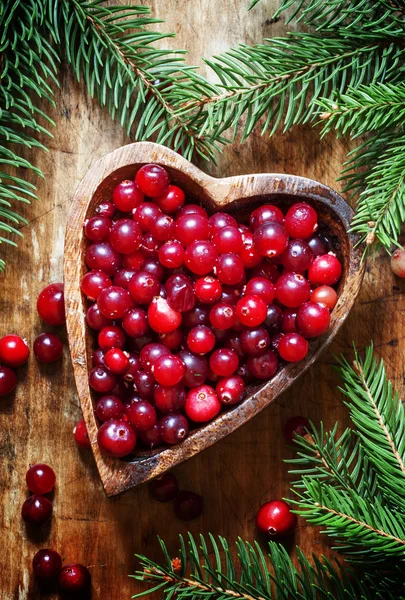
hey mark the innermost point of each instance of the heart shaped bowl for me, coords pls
(238, 196)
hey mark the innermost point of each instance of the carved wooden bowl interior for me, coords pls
(238, 196)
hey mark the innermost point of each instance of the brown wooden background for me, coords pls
(238, 474)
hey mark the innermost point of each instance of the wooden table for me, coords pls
(239, 473)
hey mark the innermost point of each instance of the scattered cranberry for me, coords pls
(8, 381)
(14, 351)
(188, 505)
(164, 488)
(276, 519)
(47, 564)
(36, 510)
(296, 426)
(40, 478)
(81, 436)
(202, 404)
(74, 578)
(48, 347)
(50, 304)
(116, 438)
(398, 262)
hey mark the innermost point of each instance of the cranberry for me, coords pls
(251, 310)
(172, 200)
(116, 361)
(172, 340)
(170, 399)
(145, 214)
(145, 384)
(263, 366)
(164, 488)
(143, 287)
(150, 354)
(151, 438)
(197, 316)
(97, 358)
(293, 347)
(200, 257)
(202, 404)
(313, 319)
(219, 220)
(168, 370)
(230, 268)
(276, 518)
(289, 320)
(133, 261)
(267, 270)
(270, 239)
(224, 362)
(292, 289)
(233, 342)
(228, 239)
(153, 180)
(255, 341)
(162, 228)
(127, 196)
(152, 266)
(114, 302)
(101, 380)
(103, 257)
(264, 214)
(260, 286)
(196, 369)
(50, 304)
(116, 438)
(190, 209)
(273, 318)
(163, 318)
(324, 294)
(125, 236)
(93, 283)
(296, 426)
(171, 254)
(106, 209)
(230, 390)
(47, 347)
(14, 351)
(74, 578)
(141, 415)
(95, 319)
(297, 257)
(111, 337)
(301, 220)
(133, 367)
(275, 341)
(109, 407)
(81, 436)
(318, 245)
(188, 505)
(150, 246)
(249, 254)
(208, 290)
(325, 270)
(222, 316)
(191, 227)
(398, 262)
(97, 228)
(201, 340)
(36, 510)
(135, 323)
(173, 428)
(40, 478)
(46, 564)
(180, 293)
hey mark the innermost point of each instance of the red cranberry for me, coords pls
(293, 347)
(318, 244)
(74, 578)
(190, 209)
(267, 270)
(301, 220)
(264, 214)
(151, 438)
(325, 270)
(233, 342)
(114, 302)
(296, 426)
(251, 310)
(150, 245)
(153, 180)
(201, 340)
(219, 220)
(276, 518)
(106, 209)
(191, 227)
(127, 196)
(135, 323)
(133, 368)
(111, 337)
(208, 290)
(230, 268)
(289, 320)
(93, 283)
(81, 436)
(125, 236)
(200, 257)
(123, 277)
(116, 438)
(97, 358)
(172, 340)
(143, 287)
(249, 254)
(171, 254)
(255, 341)
(172, 200)
(50, 304)
(109, 407)
(228, 239)
(297, 257)
(292, 289)
(103, 257)
(150, 354)
(270, 239)
(313, 319)
(168, 370)
(116, 361)
(164, 488)
(202, 404)
(152, 266)
(262, 287)
(326, 295)
(40, 478)
(197, 316)
(145, 214)
(173, 428)
(162, 228)
(47, 347)
(141, 415)
(230, 390)
(46, 564)
(222, 316)
(169, 399)
(196, 369)
(14, 351)
(273, 318)
(180, 293)
(398, 262)
(36, 510)
(95, 319)
(163, 318)
(263, 366)
(188, 505)
(145, 384)
(133, 261)
(101, 380)
(97, 228)
(224, 362)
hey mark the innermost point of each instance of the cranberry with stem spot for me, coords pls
(81, 436)
(36, 510)
(127, 196)
(116, 438)
(74, 578)
(276, 519)
(173, 428)
(230, 390)
(202, 404)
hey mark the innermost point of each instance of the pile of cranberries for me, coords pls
(189, 308)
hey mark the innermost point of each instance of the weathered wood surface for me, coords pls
(237, 474)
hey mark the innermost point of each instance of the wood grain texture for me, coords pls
(239, 196)
(237, 474)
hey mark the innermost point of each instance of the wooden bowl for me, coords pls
(239, 196)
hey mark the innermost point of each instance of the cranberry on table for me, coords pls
(398, 262)
(169, 398)
(224, 362)
(74, 578)
(301, 220)
(202, 404)
(313, 319)
(263, 366)
(109, 407)
(172, 200)
(48, 347)
(101, 380)
(162, 317)
(276, 519)
(188, 505)
(230, 268)
(201, 339)
(230, 390)
(40, 478)
(296, 426)
(114, 302)
(265, 214)
(324, 294)
(164, 488)
(50, 304)
(116, 361)
(293, 347)
(251, 310)
(270, 239)
(173, 428)
(153, 180)
(111, 336)
(47, 564)
(8, 381)
(14, 351)
(127, 196)
(141, 415)
(325, 270)
(97, 228)
(81, 436)
(36, 510)
(292, 289)
(116, 438)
